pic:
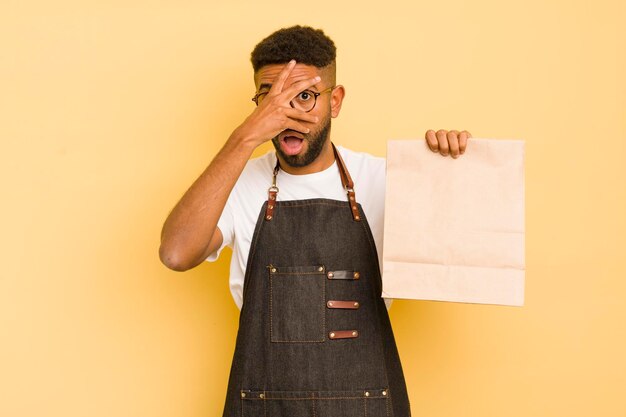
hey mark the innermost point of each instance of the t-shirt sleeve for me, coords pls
(226, 226)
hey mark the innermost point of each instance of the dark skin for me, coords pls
(190, 233)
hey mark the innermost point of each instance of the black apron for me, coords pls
(314, 335)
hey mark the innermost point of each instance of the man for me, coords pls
(314, 334)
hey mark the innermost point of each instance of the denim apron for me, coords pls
(314, 335)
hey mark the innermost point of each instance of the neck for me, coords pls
(322, 162)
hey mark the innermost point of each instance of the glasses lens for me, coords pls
(260, 97)
(305, 101)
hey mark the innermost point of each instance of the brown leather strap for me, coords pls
(343, 275)
(343, 334)
(271, 198)
(346, 181)
(351, 305)
(348, 185)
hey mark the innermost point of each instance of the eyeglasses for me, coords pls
(304, 101)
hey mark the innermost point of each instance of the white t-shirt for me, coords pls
(238, 220)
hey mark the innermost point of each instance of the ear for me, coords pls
(336, 98)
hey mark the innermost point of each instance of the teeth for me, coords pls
(293, 135)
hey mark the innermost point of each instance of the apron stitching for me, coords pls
(323, 316)
(271, 314)
(318, 398)
(323, 306)
(317, 203)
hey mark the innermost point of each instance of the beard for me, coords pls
(316, 141)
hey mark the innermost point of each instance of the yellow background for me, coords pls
(110, 109)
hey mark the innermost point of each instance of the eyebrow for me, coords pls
(267, 86)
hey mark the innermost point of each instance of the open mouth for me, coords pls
(291, 142)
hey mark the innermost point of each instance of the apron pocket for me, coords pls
(365, 403)
(297, 304)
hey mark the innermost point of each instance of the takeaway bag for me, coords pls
(454, 228)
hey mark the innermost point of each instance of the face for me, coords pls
(299, 149)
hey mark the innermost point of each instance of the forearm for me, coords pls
(189, 232)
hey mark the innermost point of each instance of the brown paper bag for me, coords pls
(454, 228)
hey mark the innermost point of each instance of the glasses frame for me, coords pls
(315, 94)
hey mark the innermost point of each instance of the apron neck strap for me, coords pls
(346, 181)
(348, 184)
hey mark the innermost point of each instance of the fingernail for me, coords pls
(318, 78)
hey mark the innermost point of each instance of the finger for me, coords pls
(431, 140)
(300, 115)
(453, 143)
(298, 87)
(442, 140)
(279, 82)
(463, 136)
(297, 126)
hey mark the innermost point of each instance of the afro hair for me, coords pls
(303, 43)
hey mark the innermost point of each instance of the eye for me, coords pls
(304, 96)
